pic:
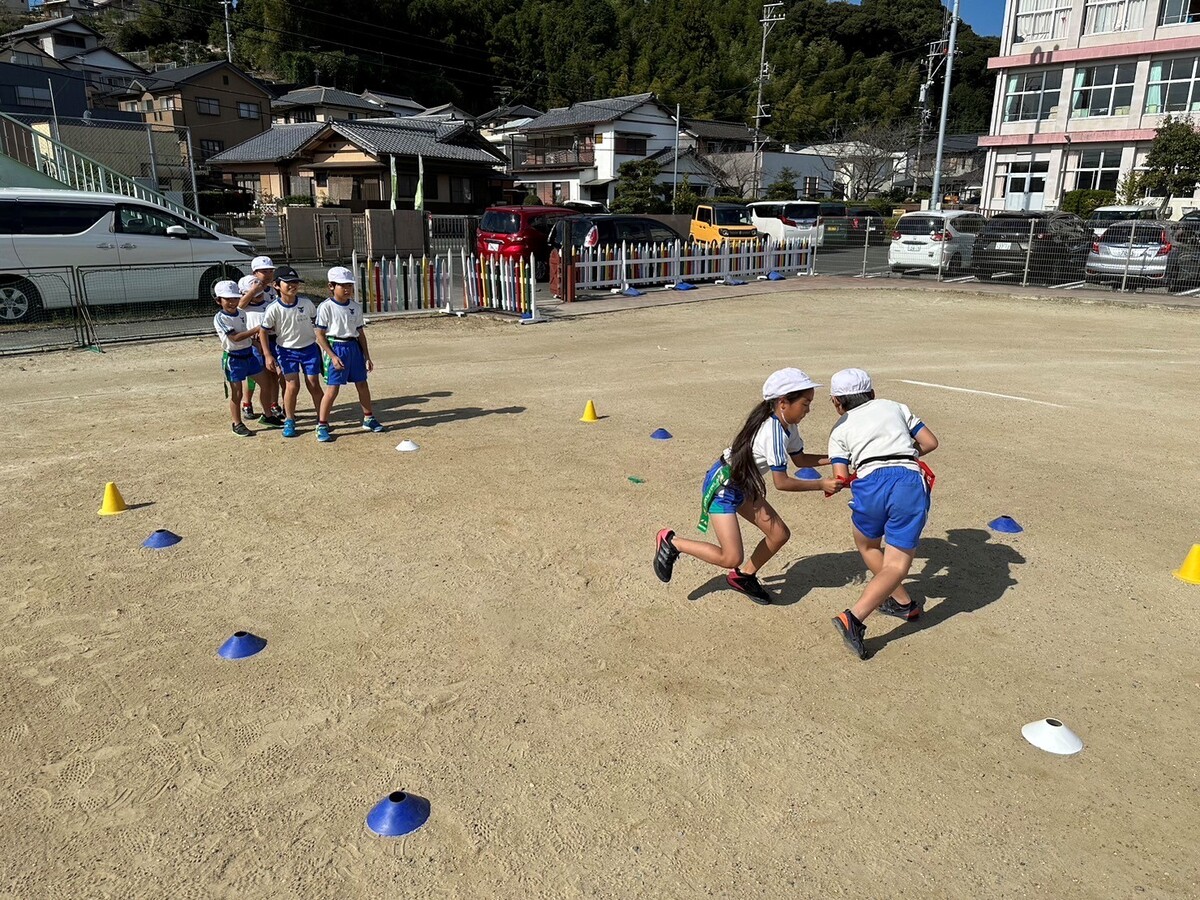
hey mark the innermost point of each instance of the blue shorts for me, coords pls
(727, 499)
(892, 503)
(240, 365)
(354, 365)
(258, 354)
(294, 360)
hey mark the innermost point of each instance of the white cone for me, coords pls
(407, 446)
(1052, 736)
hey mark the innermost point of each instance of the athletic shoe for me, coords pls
(247, 411)
(277, 412)
(665, 555)
(748, 585)
(270, 421)
(908, 613)
(370, 423)
(853, 632)
(241, 430)
(323, 434)
(289, 428)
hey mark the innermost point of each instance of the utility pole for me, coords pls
(675, 171)
(772, 15)
(933, 62)
(935, 195)
(228, 33)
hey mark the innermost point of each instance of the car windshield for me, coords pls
(498, 222)
(802, 212)
(919, 225)
(732, 215)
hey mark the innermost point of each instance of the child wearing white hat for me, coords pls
(258, 294)
(237, 339)
(735, 485)
(881, 440)
(340, 332)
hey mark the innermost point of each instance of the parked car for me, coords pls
(786, 220)
(585, 206)
(834, 224)
(609, 228)
(1146, 254)
(516, 231)
(125, 251)
(865, 224)
(1103, 216)
(934, 240)
(722, 222)
(1053, 245)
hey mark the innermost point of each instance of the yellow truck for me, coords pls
(722, 222)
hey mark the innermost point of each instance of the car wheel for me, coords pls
(956, 266)
(19, 300)
(541, 270)
(210, 278)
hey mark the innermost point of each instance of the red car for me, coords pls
(519, 231)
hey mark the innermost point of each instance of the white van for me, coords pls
(934, 239)
(1103, 216)
(788, 219)
(56, 245)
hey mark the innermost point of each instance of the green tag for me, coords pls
(637, 480)
(719, 481)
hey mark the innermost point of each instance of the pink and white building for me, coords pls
(1081, 86)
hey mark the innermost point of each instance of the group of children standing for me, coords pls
(880, 440)
(271, 335)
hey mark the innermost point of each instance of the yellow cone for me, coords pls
(113, 501)
(1190, 570)
(589, 413)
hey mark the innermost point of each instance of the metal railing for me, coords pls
(525, 158)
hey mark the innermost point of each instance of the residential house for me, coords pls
(60, 38)
(712, 137)
(963, 162)
(74, 45)
(854, 170)
(324, 104)
(349, 164)
(1081, 87)
(446, 111)
(60, 9)
(396, 105)
(26, 91)
(221, 104)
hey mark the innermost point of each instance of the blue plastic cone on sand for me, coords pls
(241, 645)
(1006, 524)
(631, 292)
(684, 286)
(808, 474)
(774, 276)
(661, 434)
(733, 282)
(397, 814)
(161, 538)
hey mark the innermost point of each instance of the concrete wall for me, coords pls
(389, 233)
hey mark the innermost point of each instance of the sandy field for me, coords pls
(478, 622)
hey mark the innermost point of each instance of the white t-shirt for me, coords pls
(293, 325)
(877, 428)
(340, 321)
(225, 324)
(773, 442)
(255, 314)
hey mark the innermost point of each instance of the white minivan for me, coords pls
(933, 239)
(57, 245)
(788, 219)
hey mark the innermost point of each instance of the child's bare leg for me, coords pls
(326, 407)
(896, 563)
(291, 387)
(364, 398)
(775, 533)
(726, 553)
(314, 389)
(235, 401)
(871, 550)
(270, 391)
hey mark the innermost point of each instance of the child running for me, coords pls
(295, 352)
(881, 440)
(735, 486)
(343, 340)
(237, 339)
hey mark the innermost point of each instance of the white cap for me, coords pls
(786, 381)
(341, 275)
(261, 262)
(246, 282)
(227, 289)
(850, 381)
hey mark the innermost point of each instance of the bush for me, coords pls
(296, 200)
(1084, 203)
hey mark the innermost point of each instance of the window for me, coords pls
(208, 106)
(812, 185)
(1098, 170)
(167, 103)
(704, 214)
(71, 40)
(1032, 96)
(248, 110)
(460, 190)
(1172, 86)
(302, 115)
(33, 96)
(147, 105)
(152, 222)
(27, 59)
(1105, 16)
(1103, 90)
(210, 148)
(59, 218)
(630, 146)
(1042, 20)
(251, 184)
(1180, 12)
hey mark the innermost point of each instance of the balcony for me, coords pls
(534, 158)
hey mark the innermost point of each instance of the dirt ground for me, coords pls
(478, 622)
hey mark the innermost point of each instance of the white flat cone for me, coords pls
(407, 446)
(1052, 736)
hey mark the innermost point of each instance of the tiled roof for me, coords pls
(324, 96)
(281, 142)
(49, 25)
(666, 157)
(590, 112)
(713, 130)
(169, 78)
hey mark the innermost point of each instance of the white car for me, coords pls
(1103, 216)
(58, 247)
(934, 240)
(786, 220)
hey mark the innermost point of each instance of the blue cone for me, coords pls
(774, 276)
(631, 292)
(1006, 524)
(684, 286)
(241, 645)
(161, 538)
(397, 814)
(808, 474)
(661, 434)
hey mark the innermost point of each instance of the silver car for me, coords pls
(1146, 254)
(934, 240)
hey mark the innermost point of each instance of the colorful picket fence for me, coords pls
(500, 283)
(396, 284)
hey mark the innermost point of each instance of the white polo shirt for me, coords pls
(255, 312)
(293, 325)
(225, 325)
(773, 444)
(339, 321)
(876, 429)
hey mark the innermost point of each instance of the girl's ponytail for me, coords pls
(743, 471)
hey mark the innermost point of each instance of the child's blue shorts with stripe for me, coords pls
(294, 360)
(256, 349)
(354, 364)
(891, 502)
(240, 365)
(727, 499)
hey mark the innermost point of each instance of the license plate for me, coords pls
(833, 227)
(1003, 245)
(493, 245)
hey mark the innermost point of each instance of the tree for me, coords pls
(686, 197)
(1129, 188)
(1173, 163)
(784, 185)
(865, 163)
(638, 190)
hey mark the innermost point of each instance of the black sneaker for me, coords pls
(665, 555)
(748, 585)
(853, 632)
(270, 421)
(241, 430)
(908, 613)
